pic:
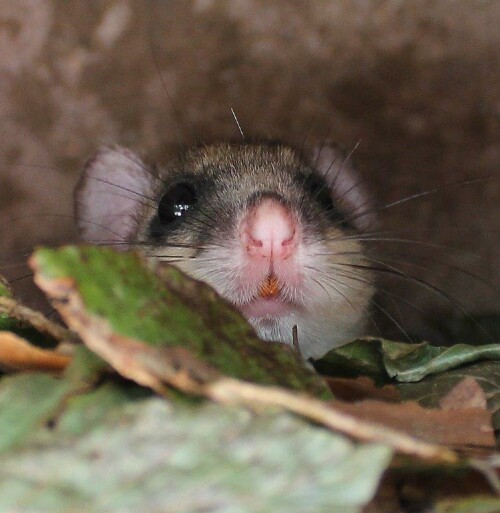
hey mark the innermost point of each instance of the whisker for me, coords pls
(354, 276)
(5, 267)
(428, 192)
(346, 159)
(238, 124)
(393, 320)
(407, 261)
(359, 278)
(417, 242)
(123, 188)
(66, 216)
(19, 278)
(423, 283)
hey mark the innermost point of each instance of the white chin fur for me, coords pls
(315, 336)
(325, 323)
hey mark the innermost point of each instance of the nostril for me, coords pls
(288, 241)
(256, 242)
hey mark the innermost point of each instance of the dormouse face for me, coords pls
(274, 233)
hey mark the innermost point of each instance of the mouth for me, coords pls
(269, 302)
(269, 308)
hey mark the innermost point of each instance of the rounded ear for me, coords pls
(346, 185)
(112, 190)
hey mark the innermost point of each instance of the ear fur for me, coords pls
(110, 194)
(345, 185)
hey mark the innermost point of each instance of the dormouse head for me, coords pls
(273, 231)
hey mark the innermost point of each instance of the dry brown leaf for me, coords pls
(363, 387)
(17, 354)
(464, 395)
(470, 426)
(232, 391)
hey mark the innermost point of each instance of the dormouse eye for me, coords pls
(176, 202)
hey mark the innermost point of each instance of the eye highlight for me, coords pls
(176, 202)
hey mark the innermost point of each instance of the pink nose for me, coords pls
(269, 230)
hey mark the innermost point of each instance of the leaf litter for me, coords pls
(163, 330)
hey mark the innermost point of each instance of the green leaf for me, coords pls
(166, 308)
(26, 403)
(470, 505)
(86, 366)
(432, 389)
(358, 358)
(402, 361)
(29, 401)
(87, 411)
(412, 363)
(149, 456)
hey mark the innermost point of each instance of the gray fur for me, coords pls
(118, 192)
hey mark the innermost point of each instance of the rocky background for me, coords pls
(416, 83)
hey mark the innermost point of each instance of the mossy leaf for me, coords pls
(114, 300)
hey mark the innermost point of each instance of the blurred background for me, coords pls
(416, 83)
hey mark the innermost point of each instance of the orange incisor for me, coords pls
(270, 287)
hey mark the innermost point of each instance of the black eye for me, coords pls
(176, 202)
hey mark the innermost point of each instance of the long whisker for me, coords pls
(377, 253)
(357, 277)
(123, 188)
(391, 270)
(418, 195)
(341, 167)
(19, 278)
(370, 238)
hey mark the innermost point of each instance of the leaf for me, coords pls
(27, 402)
(466, 394)
(469, 505)
(424, 359)
(90, 410)
(357, 389)
(402, 361)
(113, 300)
(115, 303)
(149, 456)
(430, 391)
(17, 354)
(358, 358)
(471, 426)
(434, 367)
